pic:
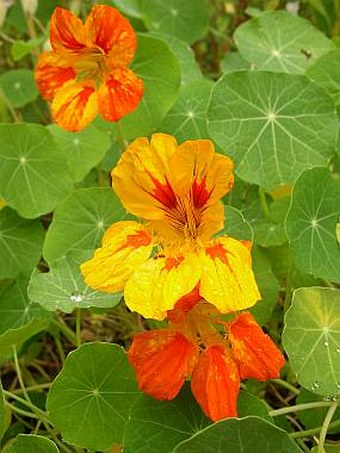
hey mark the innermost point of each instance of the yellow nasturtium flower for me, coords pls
(176, 191)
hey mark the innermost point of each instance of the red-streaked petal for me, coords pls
(215, 383)
(119, 94)
(51, 74)
(75, 106)
(162, 360)
(108, 29)
(256, 354)
(67, 32)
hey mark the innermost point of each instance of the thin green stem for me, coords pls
(325, 426)
(302, 445)
(289, 283)
(59, 347)
(299, 407)
(33, 388)
(21, 411)
(18, 371)
(38, 412)
(286, 385)
(120, 137)
(66, 331)
(264, 204)
(78, 326)
(313, 431)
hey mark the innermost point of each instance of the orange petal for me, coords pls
(75, 106)
(162, 360)
(215, 383)
(108, 29)
(125, 246)
(256, 354)
(184, 305)
(67, 32)
(227, 280)
(119, 94)
(51, 74)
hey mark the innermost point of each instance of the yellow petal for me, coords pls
(125, 246)
(157, 285)
(227, 279)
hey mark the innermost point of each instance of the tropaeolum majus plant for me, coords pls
(169, 226)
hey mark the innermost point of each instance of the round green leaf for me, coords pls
(326, 73)
(186, 20)
(311, 339)
(15, 308)
(80, 221)
(19, 87)
(249, 404)
(155, 426)
(84, 149)
(186, 119)
(152, 62)
(90, 399)
(21, 243)
(275, 126)
(281, 42)
(25, 443)
(236, 225)
(33, 174)
(63, 288)
(244, 435)
(311, 224)
(233, 61)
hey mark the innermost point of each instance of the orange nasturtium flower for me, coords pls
(216, 354)
(86, 72)
(176, 190)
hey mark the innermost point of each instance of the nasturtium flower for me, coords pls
(176, 191)
(216, 354)
(86, 72)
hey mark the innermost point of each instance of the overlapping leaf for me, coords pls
(25, 443)
(275, 126)
(281, 42)
(311, 224)
(89, 401)
(311, 339)
(33, 174)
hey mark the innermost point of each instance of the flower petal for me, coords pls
(108, 29)
(140, 177)
(157, 285)
(184, 305)
(227, 278)
(162, 359)
(51, 74)
(75, 106)
(256, 354)
(119, 94)
(215, 383)
(125, 246)
(208, 175)
(67, 32)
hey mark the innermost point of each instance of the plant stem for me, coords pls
(325, 426)
(18, 371)
(21, 411)
(120, 137)
(288, 296)
(33, 388)
(38, 412)
(264, 205)
(66, 331)
(78, 327)
(300, 407)
(286, 385)
(313, 431)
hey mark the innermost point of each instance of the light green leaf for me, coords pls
(129, 7)
(245, 435)
(186, 119)
(25, 443)
(15, 308)
(90, 400)
(249, 404)
(20, 48)
(190, 70)
(233, 61)
(80, 221)
(21, 243)
(84, 150)
(326, 73)
(275, 126)
(311, 339)
(2, 412)
(186, 20)
(18, 87)
(152, 62)
(33, 174)
(311, 224)
(236, 225)
(155, 426)
(63, 288)
(281, 42)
